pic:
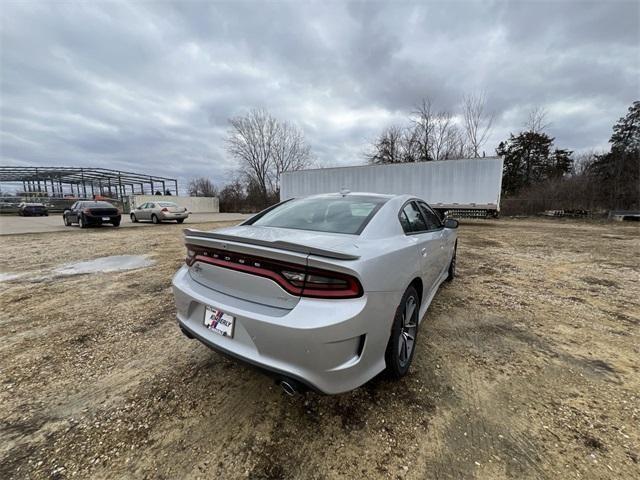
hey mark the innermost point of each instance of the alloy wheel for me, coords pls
(407, 338)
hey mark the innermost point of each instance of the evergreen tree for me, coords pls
(529, 159)
(618, 172)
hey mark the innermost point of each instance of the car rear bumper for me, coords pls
(173, 216)
(98, 220)
(333, 346)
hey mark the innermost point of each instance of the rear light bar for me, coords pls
(295, 279)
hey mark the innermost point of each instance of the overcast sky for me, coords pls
(150, 86)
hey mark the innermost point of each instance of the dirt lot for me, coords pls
(527, 367)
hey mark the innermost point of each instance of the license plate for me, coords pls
(219, 322)
(105, 219)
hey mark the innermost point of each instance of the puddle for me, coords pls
(114, 263)
(7, 277)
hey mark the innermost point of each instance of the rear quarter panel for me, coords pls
(385, 265)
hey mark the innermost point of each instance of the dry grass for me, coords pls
(527, 368)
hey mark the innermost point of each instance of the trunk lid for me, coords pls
(246, 243)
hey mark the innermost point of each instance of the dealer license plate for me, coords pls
(219, 322)
(105, 219)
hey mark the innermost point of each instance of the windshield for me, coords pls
(348, 214)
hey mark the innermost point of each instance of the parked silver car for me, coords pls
(324, 292)
(159, 212)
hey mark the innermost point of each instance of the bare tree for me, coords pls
(537, 120)
(291, 152)
(436, 132)
(251, 141)
(478, 123)
(410, 145)
(431, 135)
(201, 187)
(387, 148)
(266, 147)
(447, 140)
(424, 125)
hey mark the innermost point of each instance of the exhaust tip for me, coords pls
(289, 387)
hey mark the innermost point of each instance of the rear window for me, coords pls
(348, 214)
(97, 205)
(167, 204)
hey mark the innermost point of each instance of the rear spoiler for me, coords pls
(292, 247)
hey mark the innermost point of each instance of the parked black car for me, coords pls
(86, 213)
(32, 209)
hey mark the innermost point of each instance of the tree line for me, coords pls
(537, 175)
(431, 134)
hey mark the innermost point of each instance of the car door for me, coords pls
(73, 214)
(151, 209)
(142, 213)
(427, 243)
(434, 224)
(69, 213)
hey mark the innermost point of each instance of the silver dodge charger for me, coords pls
(323, 292)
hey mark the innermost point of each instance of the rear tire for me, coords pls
(133, 218)
(404, 334)
(452, 265)
(67, 223)
(116, 223)
(154, 219)
(180, 220)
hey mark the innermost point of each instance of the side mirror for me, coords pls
(450, 223)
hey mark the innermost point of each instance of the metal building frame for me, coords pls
(86, 182)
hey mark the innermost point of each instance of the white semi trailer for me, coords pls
(469, 187)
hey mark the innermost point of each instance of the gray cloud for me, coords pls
(150, 86)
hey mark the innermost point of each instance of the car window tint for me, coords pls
(404, 221)
(98, 204)
(433, 221)
(335, 214)
(167, 204)
(414, 217)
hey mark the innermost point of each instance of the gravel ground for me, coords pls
(527, 367)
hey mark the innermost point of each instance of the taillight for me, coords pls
(165, 209)
(87, 211)
(295, 279)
